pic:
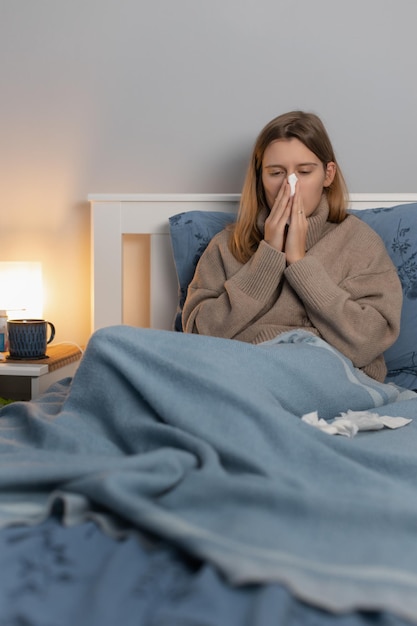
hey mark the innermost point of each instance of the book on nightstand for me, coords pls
(56, 356)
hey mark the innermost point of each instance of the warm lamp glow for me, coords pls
(21, 290)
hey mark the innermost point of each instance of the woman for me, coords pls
(298, 261)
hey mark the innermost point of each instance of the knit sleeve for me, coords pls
(225, 296)
(360, 314)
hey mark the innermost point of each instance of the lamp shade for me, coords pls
(21, 289)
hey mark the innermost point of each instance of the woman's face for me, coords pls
(286, 156)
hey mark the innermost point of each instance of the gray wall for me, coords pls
(168, 96)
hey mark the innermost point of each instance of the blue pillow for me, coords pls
(397, 227)
(190, 234)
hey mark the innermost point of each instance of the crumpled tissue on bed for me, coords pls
(349, 423)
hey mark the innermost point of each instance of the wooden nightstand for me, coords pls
(26, 380)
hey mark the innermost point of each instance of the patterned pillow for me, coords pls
(190, 233)
(397, 227)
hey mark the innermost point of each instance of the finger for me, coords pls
(282, 206)
(283, 194)
(297, 209)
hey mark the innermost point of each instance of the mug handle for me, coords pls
(52, 332)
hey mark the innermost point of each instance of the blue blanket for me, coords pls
(198, 440)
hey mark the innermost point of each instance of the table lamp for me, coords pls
(21, 289)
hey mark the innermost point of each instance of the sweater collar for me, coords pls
(316, 221)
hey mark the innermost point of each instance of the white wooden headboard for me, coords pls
(113, 216)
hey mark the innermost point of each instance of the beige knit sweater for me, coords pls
(345, 290)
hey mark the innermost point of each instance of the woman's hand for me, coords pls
(286, 225)
(278, 218)
(295, 242)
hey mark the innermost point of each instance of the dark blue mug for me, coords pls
(28, 338)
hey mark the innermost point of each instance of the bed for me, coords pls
(146, 491)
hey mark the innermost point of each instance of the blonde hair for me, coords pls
(307, 128)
